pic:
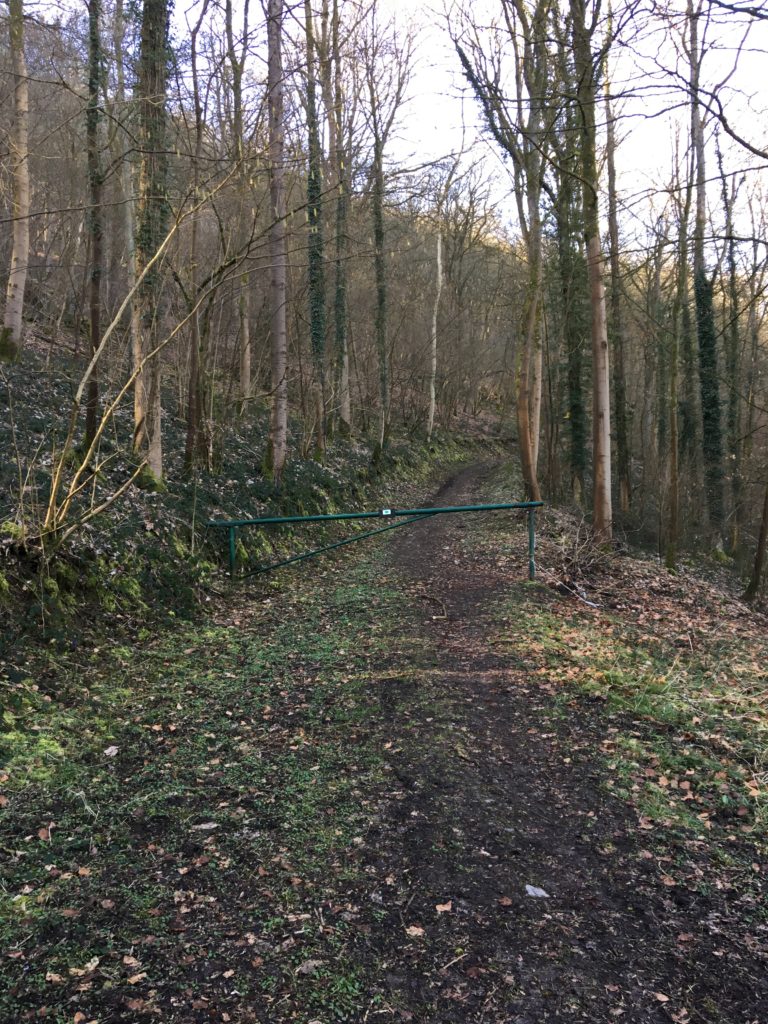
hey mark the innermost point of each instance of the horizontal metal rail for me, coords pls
(407, 514)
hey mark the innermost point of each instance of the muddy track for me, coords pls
(493, 792)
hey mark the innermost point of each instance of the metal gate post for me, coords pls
(531, 543)
(232, 550)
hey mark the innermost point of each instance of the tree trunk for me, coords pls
(152, 221)
(315, 246)
(712, 440)
(617, 325)
(278, 436)
(197, 448)
(244, 313)
(10, 335)
(236, 67)
(732, 346)
(128, 204)
(601, 427)
(753, 587)
(433, 336)
(377, 203)
(95, 214)
(537, 387)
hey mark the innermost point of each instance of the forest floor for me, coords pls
(404, 785)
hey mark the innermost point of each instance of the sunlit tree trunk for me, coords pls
(10, 335)
(278, 435)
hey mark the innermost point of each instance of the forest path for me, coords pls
(501, 786)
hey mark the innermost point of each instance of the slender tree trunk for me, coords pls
(278, 439)
(433, 335)
(523, 396)
(537, 387)
(732, 340)
(196, 449)
(315, 245)
(753, 587)
(244, 313)
(11, 333)
(152, 222)
(377, 203)
(617, 325)
(95, 214)
(677, 327)
(712, 440)
(601, 427)
(128, 204)
(236, 68)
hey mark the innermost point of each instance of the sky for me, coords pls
(442, 115)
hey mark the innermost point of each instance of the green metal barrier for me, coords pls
(408, 515)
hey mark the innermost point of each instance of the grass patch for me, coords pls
(181, 826)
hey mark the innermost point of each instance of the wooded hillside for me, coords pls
(212, 208)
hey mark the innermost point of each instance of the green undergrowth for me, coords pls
(678, 675)
(151, 556)
(181, 826)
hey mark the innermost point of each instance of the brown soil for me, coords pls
(492, 792)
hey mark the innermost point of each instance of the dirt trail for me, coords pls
(497, 793)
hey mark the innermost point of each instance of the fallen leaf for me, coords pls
(661, 997)
(136, 978)
(505, 901)
(111, 751)
(414, 930)
(444, 908)
(308, 967)
(89, 968)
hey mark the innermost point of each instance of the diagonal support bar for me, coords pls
(330, 547)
